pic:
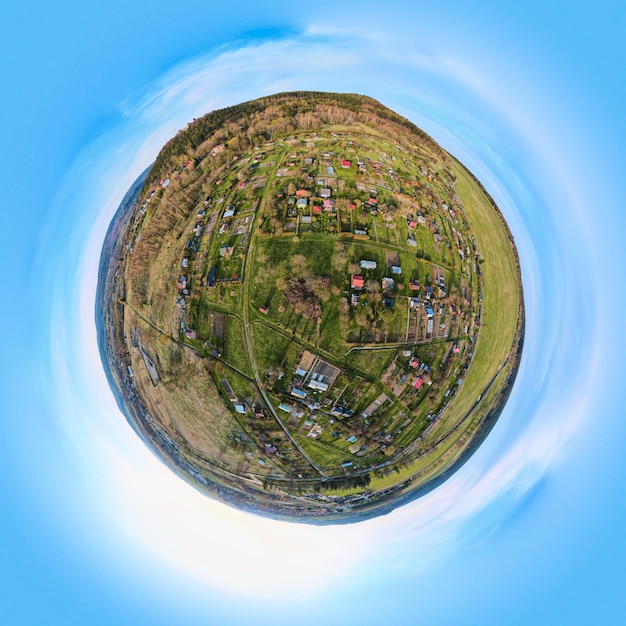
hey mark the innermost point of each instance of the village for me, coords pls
(301, 317)
(400, 293)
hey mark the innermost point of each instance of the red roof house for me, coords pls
(358, 282)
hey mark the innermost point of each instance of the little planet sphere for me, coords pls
(308, 309)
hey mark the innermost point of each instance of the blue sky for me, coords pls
(93, 530)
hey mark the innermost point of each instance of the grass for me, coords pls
(235, 353)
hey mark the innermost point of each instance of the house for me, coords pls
(358, 282)
(298, 393)
(396, 269)
(372, 201)
(325, 192)
(330, 169)
(388, 283)
(329, 204)
(303, 193)
(263, 310)
(317, 209)
(414, 303)
(367, 265)
(414, 285)
(414, 362)
(283, 406)
(345, 164)
(229, 213)
(388, 302)
(412, 223)
(301, 203)
(418, 382)
(226, 250)
(355, 299)
(430, 312)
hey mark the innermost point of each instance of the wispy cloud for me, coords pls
(141, 498)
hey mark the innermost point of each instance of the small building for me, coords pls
(414, 303)
(430, 312)
(414, 362)
(185, 262)
(396, 269)
(346, 164)
(303, 193)
(357, 282)
(355, 299)
(418, 382)
(229, 213)
(263, 310)
(317, 385)
(301, 203)
(329, 204)
(325, 192)
(388, 302)
(210, 281)
(411, 242)
(306, 219)
(298, 393)
(388, 283)
(226, 250)
(367, 265)
(414, 285)
(283, 406)
(240, 408)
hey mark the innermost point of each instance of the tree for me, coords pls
(299, 264)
